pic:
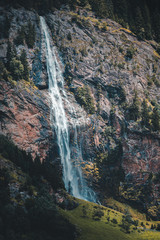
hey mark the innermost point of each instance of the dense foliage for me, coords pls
(148, 114)
(83, 96)
(26, 34)
(142, 17)
(34, 168)
(32, 214)
(16, 67)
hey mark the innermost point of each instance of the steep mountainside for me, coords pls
(112, 80)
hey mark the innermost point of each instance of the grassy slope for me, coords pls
(90, 229)
(102, 229)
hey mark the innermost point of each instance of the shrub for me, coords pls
(145, 115)
(24, 61)
(17, 69)
(84, 51)
(158, 227)
(134, 109)
(121, 65)
(69, 36)
(83, 97)
(98, 214)
(155, 119)
(130, 53)
(120, 49)
(114, 221)
(67, 74)
(126, 223)
(84, 211)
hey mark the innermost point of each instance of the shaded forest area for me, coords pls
(27, 206)
(142, 17)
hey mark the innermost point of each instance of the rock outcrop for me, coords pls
(25, 117)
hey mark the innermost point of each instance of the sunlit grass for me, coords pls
(90, 229)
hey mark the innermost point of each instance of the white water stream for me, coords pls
(72, 173)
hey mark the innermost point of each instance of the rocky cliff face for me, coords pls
(103, 65)
(25, 110)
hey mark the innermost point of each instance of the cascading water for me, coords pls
(72, 174)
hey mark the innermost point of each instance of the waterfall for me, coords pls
(73, 179)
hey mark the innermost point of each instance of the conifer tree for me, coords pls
(110, 9)
(134, 110)
(121, 9)
(11, 53)
(1, 69)
(21, 36)
(145, 114)
(23, 59)
(156, 25)
(156, 119)
(147, 22)
(139, 24)
(31, 34)
(6, 28)
(16, 69)
(83, 3)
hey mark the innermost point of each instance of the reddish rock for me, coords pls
(25, 117)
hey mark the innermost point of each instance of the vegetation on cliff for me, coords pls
(142, 17)
(27, 207)
(115, 78)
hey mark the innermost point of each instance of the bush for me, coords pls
(24, 61)
(130, 53)
(155, 118)
(17, 69)
(158, 227)
(83, 97)
(134, 109)
(69, 36)
(84, 211)
(121, 49)
(114, 221)
(98, 214)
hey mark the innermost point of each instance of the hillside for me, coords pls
(111, 102)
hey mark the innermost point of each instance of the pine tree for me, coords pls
(31, 35)
(139, 24)
(37, 165)
(1, 70)
(110, 9)
(156, 119)
(11, 53)
(147, 22)
(121, 9)
(145, 114)
(83, 3)
(23, 59)
(99, 7)
(21, 36)
(16, 69)
(6, 28)
(134, 110)
(156, 25)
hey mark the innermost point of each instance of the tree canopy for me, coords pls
(142, 17)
